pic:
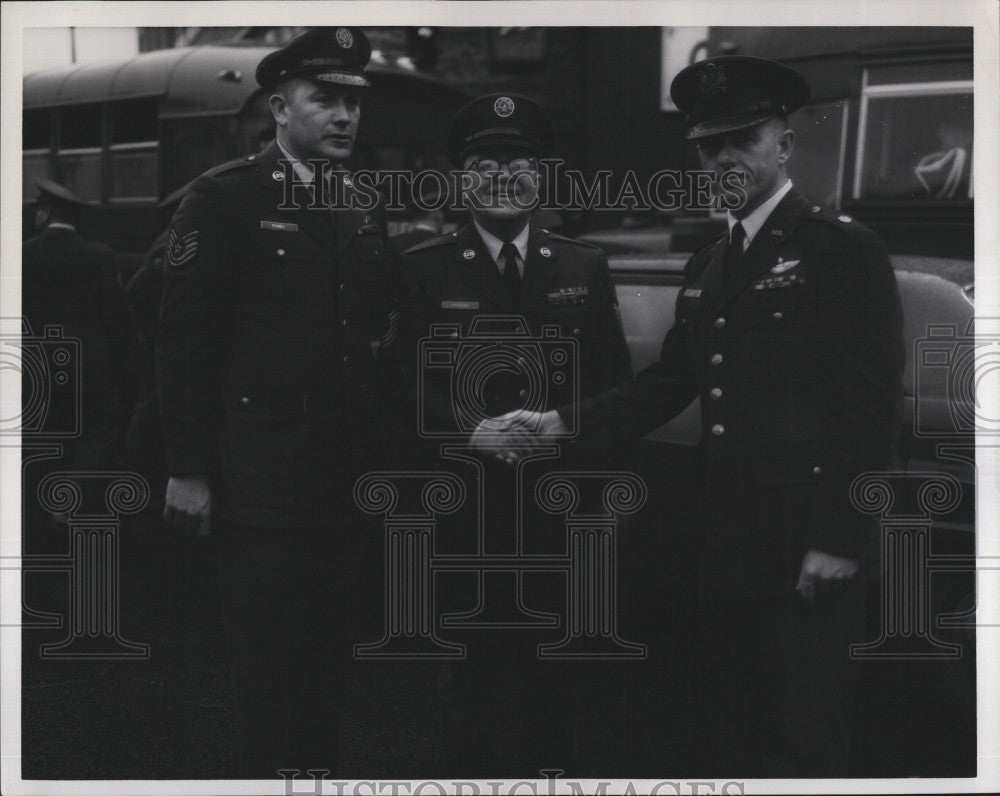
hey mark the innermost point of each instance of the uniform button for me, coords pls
(523, 394)
(576, 331)
(281, 252)
(718, 429)
(715, 394)
(817, 470)
(341, 286)
(345, 359)
(716, 359)
(244, 400)
(344, 323)
(720, 322)
(777, 316)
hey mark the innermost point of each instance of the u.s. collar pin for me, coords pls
(278, 175)
(545, 251)
(778, 233)
(347, 182)
(468, 254)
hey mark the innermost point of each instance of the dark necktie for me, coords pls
(511, 276)
(735, 250)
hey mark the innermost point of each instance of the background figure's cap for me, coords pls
(498, 121)
(51, 191)
(331, 55)
(733, 92)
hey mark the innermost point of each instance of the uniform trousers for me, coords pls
(290, 608)
(777, 673)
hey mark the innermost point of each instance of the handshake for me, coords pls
(513, 436)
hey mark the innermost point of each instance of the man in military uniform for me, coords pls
(485, 282)
(788, 330)
(272, 310)
(71, 283)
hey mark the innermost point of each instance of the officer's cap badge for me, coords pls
(713, 79)
(345, 38)
(504, 107)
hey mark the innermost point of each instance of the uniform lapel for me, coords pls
(272, 174)
(477, 269)
(540, 268)
(762, 253)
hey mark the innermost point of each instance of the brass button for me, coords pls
(720, 322)
(715, 394)
(523, 394)
(345, 359)
(777, 316)
(576, 331)
(817, 470)
(281, 252)
(344, 323)
(244, 400)
(718, 429)
(716, 359)
(341, 286)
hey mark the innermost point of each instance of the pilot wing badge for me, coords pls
(784, 265)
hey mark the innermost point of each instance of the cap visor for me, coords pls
(340, 78)
(727, 125)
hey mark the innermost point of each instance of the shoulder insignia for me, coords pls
(431, 243)
(831, 216)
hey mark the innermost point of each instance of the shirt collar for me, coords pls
(753, 222)
(302, 170)
(493, 244)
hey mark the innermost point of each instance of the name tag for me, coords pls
(460, 305)
(280, 226)
(692, 291)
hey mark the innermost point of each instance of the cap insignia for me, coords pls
(504, 107)
(345, 38)
(713, 79)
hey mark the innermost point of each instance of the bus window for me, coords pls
(135, 151)
(904, 156)
(36, 144)
(78, 162)
(818, 166)
(193, 146)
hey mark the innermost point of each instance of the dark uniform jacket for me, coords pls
(452, 291)
(265, 357)
(71, 283)
(797, 363)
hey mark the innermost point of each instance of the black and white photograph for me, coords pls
(495, 397)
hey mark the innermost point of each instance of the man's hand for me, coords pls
(823, 568)
(189, 505)
(513, 436)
